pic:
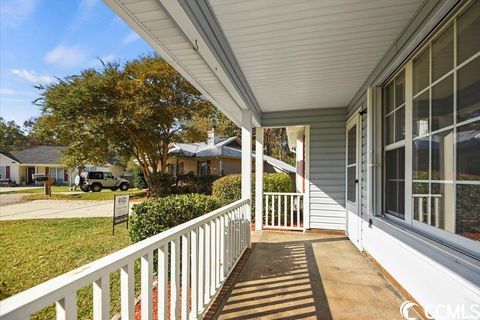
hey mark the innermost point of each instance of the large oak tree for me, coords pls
(133, 110)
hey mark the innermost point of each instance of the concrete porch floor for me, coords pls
(309, 276)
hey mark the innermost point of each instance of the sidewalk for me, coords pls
(40, 209)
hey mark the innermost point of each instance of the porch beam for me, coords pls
(247, 161)
(258, 178)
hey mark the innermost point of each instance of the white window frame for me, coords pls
(453, 240)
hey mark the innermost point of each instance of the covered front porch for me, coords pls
(308, 276)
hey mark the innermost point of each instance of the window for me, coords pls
(352, 165)
(3, 172)
(203, 168)
(107, 175)
(445, 134)
(394, 156)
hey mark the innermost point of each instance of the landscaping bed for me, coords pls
(135, 194)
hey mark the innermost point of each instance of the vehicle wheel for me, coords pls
(124, 187)
(114, 189)
(96, 187)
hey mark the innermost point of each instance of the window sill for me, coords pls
(468, 259)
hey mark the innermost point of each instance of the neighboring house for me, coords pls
(220, 156)
(19, 166)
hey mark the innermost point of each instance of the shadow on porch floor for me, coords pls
(309, 276)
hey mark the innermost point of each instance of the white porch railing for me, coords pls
(283, 210)
(422, 202)
(201, 253)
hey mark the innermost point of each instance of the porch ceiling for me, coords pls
(308, 53)
(270, 55)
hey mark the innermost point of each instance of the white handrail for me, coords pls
(232, 221)
(284, 193)
(283, 210)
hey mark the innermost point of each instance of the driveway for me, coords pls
(40, 209)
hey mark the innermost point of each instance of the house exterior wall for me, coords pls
(434, 274)
(14, 171)
(327, 161)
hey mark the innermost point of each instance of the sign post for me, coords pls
(121, 209)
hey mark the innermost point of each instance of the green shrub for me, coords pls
(139, 181)
(161, 184)
(229, 188)
(157, 215)
(190, 183)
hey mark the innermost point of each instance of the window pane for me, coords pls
(441, 206)
(389, 136)
(468, 39)
(400, 89)
(395, 182)
(420, 193)
(421, 114)
(400, 124)
(421, 72)
(468, 152)
(352, 145)
(351, 185)
(388, 99)
(442, 156)
(442, 54)
(468, 211)
(468, 106)
(442, 104)
(420, 154)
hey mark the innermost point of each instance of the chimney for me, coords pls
(212, 137)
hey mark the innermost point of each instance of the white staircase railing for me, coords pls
(201, 253)
(283, 210)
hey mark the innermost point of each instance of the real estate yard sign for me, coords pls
(121, 208)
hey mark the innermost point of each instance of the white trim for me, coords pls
(306, 199)
(258, 178)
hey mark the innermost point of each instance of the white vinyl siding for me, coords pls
(327, 161)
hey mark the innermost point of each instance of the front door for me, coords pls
(354, 220)
(30, 172)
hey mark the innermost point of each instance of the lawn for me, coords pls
(39, 190)
(103, 195)
(33, 251)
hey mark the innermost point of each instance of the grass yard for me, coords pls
(33, 251)
(39, 190)
(103, 195)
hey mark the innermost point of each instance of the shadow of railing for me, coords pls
(282, 281)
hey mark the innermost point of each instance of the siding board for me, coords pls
(327, 161)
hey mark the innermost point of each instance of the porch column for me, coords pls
(258, 178)
(247, 162)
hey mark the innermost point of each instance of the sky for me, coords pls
(41, 40)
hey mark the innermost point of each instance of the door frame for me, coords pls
(354, 120)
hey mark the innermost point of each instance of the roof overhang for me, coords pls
(271, 55)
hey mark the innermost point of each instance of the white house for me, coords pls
(19, 166)
(389, 95)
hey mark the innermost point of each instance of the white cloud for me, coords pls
(66, 56)
(88, 3)
(131, 37)
(7, 91)
(15, 12)
(32, 76)
(108, 58)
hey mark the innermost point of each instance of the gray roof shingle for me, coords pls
(40, 155)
